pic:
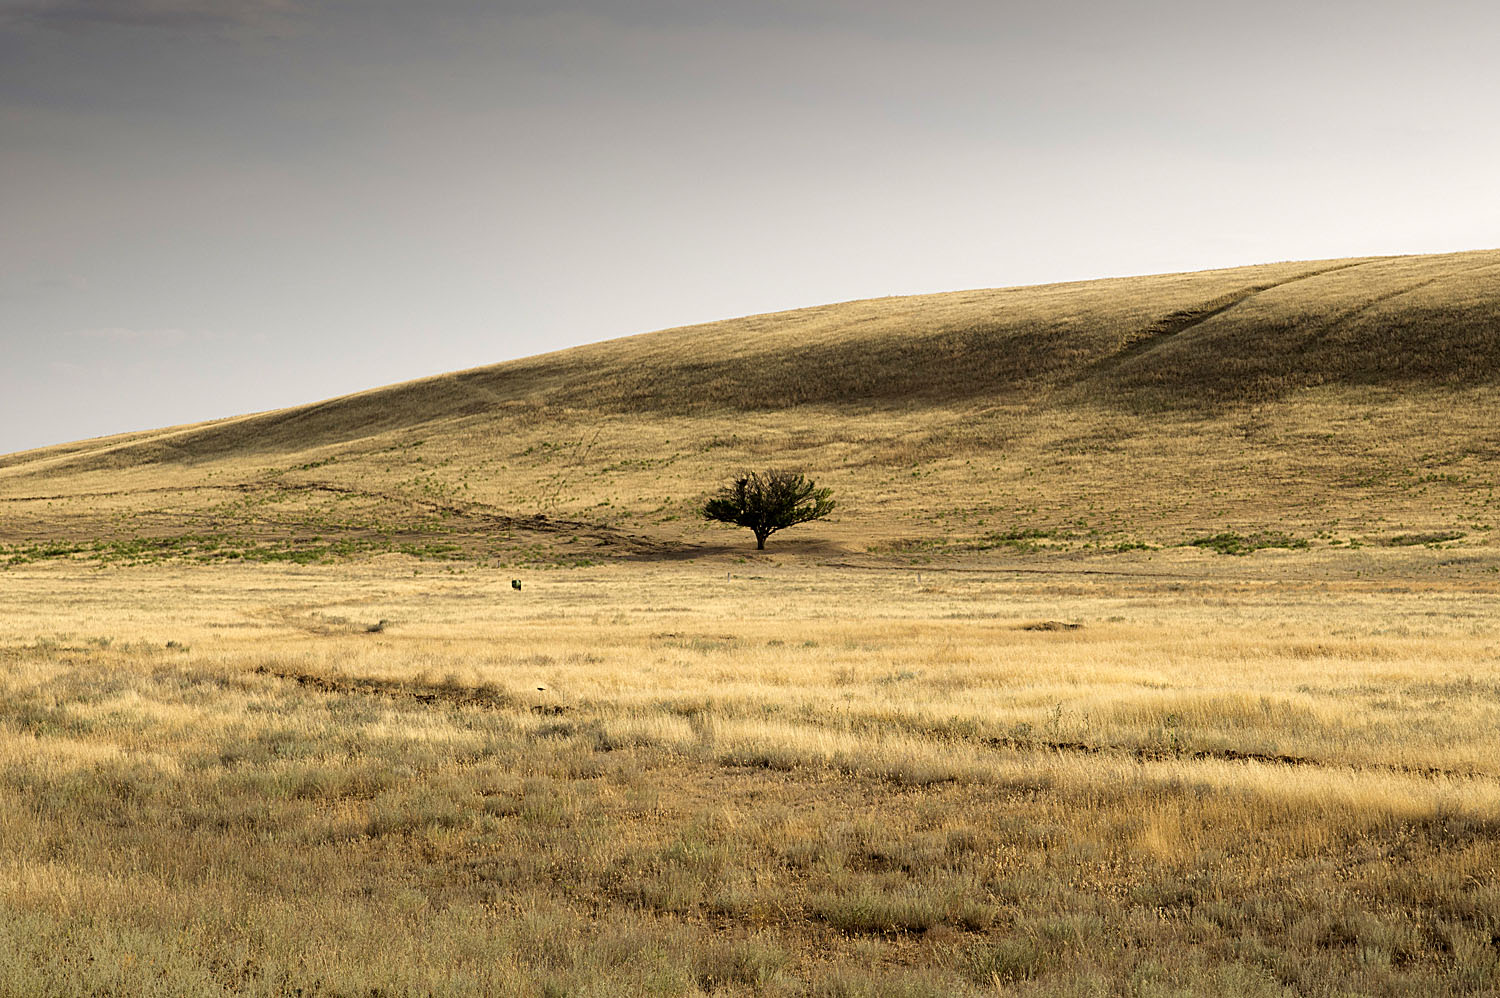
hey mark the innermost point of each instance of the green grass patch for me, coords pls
(1232, 543)
(1429, 537)
(221, 549)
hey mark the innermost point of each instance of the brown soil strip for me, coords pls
(425, 693)
(1147, 753)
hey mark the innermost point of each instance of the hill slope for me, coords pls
(1347, 395)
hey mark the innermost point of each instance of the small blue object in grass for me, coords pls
(515, 583)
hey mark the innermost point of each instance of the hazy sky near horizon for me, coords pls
(212, 207)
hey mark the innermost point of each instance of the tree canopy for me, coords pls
(768, 501)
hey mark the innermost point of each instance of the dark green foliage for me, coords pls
(769, 501)
(1239, 544)
(1433, 537)
(218, 548)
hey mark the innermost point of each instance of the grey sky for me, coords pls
(217, 206)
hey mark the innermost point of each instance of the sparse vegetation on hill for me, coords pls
(1326, 400)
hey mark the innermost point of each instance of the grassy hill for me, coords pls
(1344, 400)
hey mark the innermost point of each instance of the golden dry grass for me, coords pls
(796, 780)
(273, 721)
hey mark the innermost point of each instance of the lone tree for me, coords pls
(767, 502)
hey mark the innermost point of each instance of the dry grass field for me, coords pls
(1154, 650)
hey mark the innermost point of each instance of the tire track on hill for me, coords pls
(536, 522)
(1323, 329)
(159, 490)
(1379, 300)
(485, 518)
(1182, 320)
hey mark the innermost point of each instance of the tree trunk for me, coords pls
(760, 541)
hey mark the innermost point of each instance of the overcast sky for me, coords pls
(210, 207)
